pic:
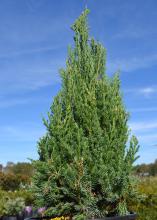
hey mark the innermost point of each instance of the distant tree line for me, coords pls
(146, 169)
(15, 176)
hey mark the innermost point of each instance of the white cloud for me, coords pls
(154, 145)
(30, 75)
(147, 92)
(26, 29)
(10, 102)
(145, 132)
(148, 139)
(21, 133)
(18, 141)
(142, 126)
(132, 63)
(28, 51)
(134, 32)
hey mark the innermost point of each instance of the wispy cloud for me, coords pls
(148, 139)
(147, 92)
(30, 75)
(28, 51)
(145, 131)
(11, 102)
(142, 126)
(132, 63)
(23, 132)
(154, 145)
(18, 142)
(27, 29)
(134, 32)
(34, 5)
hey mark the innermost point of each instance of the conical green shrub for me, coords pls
(85, 159)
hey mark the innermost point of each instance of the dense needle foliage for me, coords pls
(85, 159)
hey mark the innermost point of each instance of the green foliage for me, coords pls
(13, 197)
(3, 199)
(13, 207)
(25, 194)
(84, 167)
(146, 207)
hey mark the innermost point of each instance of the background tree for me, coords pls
(8, 167)
(9, 182)
(84, 167)
(14, 176)
(1, 167)
(146, 169)
(21, 168)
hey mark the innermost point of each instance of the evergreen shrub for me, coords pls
(86, 156)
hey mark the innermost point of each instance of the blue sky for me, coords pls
(34, 35)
